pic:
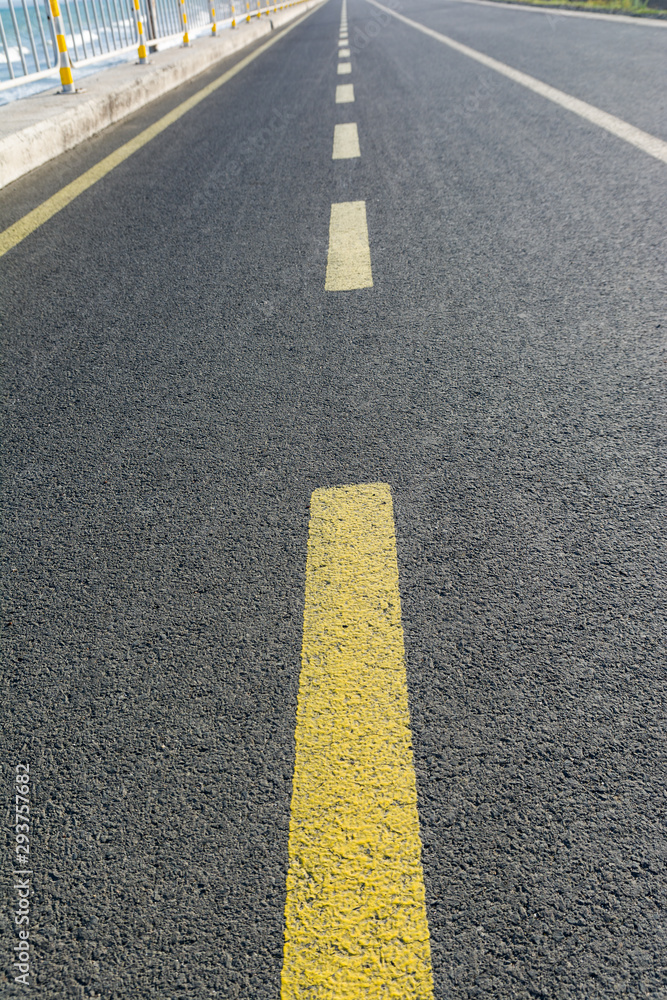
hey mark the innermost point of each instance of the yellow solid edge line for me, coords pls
(355, 913)
(346, 141)
(616, 126)
(349, 257)
(33, 220)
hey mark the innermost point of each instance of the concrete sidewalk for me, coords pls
(36, 129)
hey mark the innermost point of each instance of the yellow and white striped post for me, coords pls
(214, 24)
(143, 58)
(63, 58)
(259, 10)
(184, 19)
(233, 17)
(247, 7)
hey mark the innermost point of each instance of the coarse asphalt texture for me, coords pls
(177, 382)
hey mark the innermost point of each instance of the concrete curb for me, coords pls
(36, 129)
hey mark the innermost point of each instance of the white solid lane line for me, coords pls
(651, 22)
(623, 130)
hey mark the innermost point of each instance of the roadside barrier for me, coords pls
(143, 58)
(66, 78)
(214, 26)
(184, 22)
(39, 38)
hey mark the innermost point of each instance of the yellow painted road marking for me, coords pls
(346, 142)
(343, 53)
(636, 137)
(345, 93)
(344, 67)
(355, 915)
(26, 225)
(349, 260)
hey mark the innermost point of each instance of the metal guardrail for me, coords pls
(95, 29)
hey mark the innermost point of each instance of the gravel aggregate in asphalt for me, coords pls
(177, 382)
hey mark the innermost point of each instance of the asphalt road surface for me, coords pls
(177, 383)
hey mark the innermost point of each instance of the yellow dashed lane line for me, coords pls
(344, 93)
(349, 260)
(346, 141)
(356, 923)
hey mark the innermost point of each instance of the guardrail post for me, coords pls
(151, 25)
(63, 58)
(184, 20)
(214, 26)
(247, 7)
(143, 58)
(233, 17)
